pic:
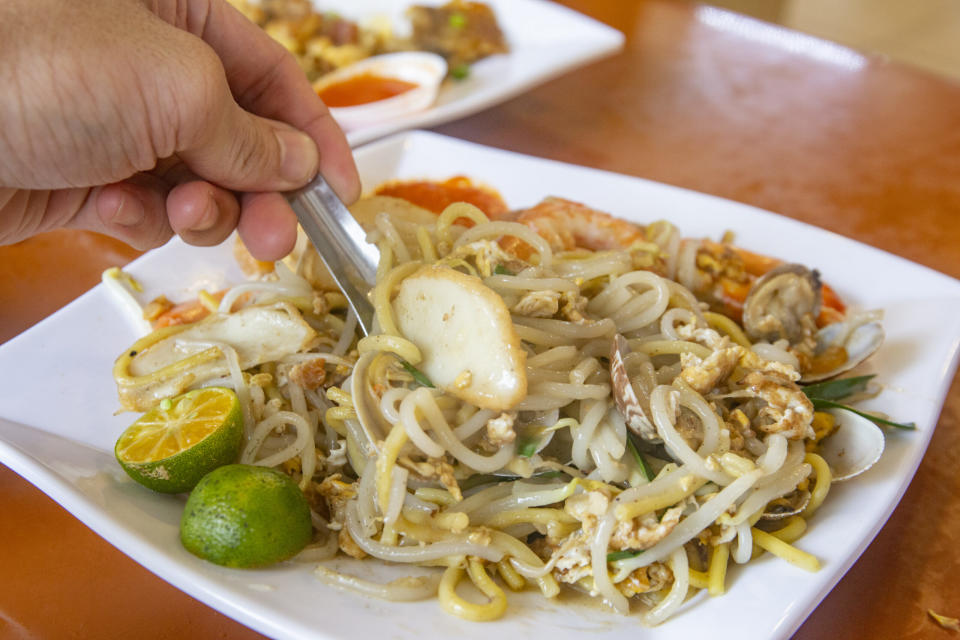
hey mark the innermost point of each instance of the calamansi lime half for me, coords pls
(245, 516)
(179, 441)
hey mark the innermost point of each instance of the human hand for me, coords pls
(144, 118)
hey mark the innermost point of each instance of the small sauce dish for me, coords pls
(382, 88)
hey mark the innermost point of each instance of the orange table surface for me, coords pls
(699, 98)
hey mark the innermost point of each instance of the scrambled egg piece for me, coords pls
(538, 304)
(500, 429)
(574, 562)
(336, 493)
(787, 409)
(704, 375)
(572, 307)
(486, 256)
(435, 468)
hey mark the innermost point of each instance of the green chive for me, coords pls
(638, 457)
(624, 554)
(820, 403)
(418, 376)
(501, 270)
(837, 389)
(460, 72)
(480, 479)
(458, 20)
(527, 446)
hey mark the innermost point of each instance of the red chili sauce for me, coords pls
(436, 196)
(363, 89)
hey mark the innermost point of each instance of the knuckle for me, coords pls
(200, 94)
(250, 153)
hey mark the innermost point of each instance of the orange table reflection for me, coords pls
(700, 98)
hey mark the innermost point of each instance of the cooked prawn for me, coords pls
(187, 312)
(569, 225)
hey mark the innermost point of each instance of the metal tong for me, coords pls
(341, 243)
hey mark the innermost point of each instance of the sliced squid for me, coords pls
(464, 331)
(173, 359)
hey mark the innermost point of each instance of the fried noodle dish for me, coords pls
(462, 32)
(552, 397)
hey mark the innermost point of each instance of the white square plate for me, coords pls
(545, 39)
(57, 426)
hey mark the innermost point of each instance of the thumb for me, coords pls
(245, 152)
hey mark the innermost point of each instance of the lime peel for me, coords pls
(179, 441)
(245, 516)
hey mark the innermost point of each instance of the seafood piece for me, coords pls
(723, 274)
(464, 331)
(843, 345)
(789, 505)
(854, 447)
(625, 396)
(174, 359)
(570, 225)
(783, 305)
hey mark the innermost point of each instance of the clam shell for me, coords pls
(625, 396)
(779, 300)
(426, 70)
(860, 336)
(854, 447)
(798, 502)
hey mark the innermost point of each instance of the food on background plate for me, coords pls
(550, 397)
(461, 32)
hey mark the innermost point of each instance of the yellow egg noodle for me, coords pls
(523, 416)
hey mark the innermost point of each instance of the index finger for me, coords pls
(266, 80)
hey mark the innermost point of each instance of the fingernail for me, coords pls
(208, 218)
(122, 209)
(298, 157)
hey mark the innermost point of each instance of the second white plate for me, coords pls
(545, 39)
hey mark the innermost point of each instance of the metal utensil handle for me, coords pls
(341, 244)
(333, 219)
